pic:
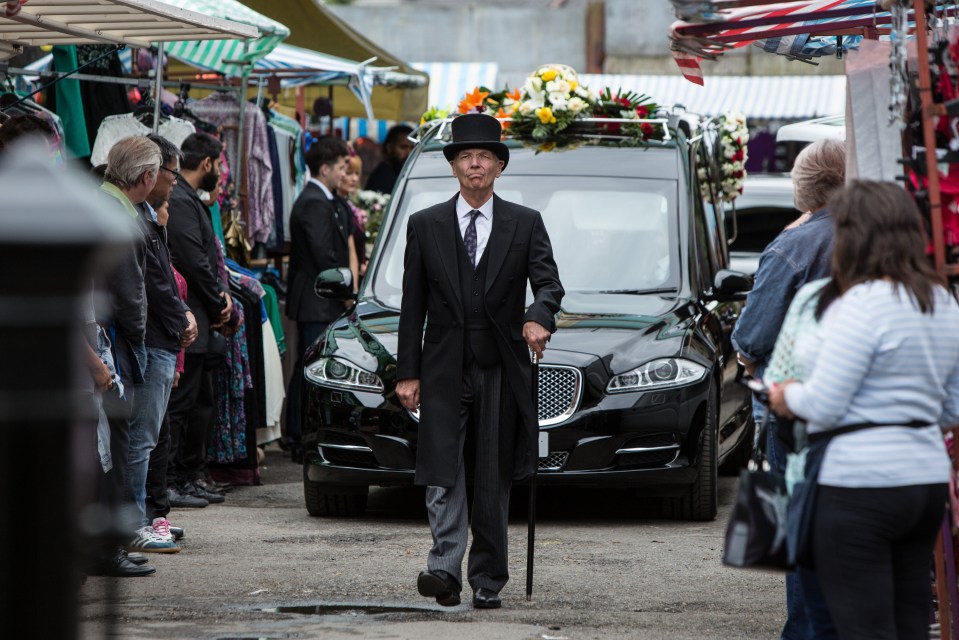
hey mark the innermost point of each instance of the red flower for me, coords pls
(642, 112)
(647, 129)
(738, 156)
(622, 101)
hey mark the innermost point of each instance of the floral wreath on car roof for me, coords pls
(723, 173)
(548, 111)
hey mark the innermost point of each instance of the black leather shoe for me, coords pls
(137, 558)
(484, 598)
(179, 500)
(192, 490)
(440, 585)
(120, 566)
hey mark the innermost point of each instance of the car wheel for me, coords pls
(333, 500)
(701, 500)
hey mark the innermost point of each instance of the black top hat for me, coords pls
(477, 131)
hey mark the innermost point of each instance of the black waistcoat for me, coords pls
(480, 345)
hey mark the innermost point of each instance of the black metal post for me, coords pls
(52, 234)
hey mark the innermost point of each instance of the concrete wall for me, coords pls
(518, 38)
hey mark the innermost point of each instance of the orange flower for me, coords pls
(473, 100)
(502, 114)
(514, 95)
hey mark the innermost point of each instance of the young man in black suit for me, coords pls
(467, 264)
(319, 239)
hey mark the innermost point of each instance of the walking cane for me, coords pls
(531, 531)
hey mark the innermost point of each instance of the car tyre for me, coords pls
(333, 500)
(700, 500)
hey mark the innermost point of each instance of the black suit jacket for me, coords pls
(193, 249)
(519, 251)
(319, 229)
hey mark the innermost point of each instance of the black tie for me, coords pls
(470, 238)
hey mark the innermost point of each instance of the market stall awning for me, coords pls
(800, 29)
(131, 22)
(756, 97)
(228, 57)
(449, 81)
(316, 28)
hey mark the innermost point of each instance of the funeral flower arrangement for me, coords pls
(543, 111)
(374, 204)
(728, 160)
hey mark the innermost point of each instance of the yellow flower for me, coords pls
(548, 75)
(572, 85)
(545, 115)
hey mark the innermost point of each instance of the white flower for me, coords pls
(576, 105)
(581, 91)
(533, 83)
(558, 101)
(529, 107)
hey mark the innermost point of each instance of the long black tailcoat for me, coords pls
(519, 251)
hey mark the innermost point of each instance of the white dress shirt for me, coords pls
(329, 196)
(484, 223)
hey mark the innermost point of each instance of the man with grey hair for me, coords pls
(801, 253)
(170, 326)
(131, 173)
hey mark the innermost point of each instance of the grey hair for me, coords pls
(820, 170)
(129, 159)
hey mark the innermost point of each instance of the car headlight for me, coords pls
(658, 374)
(334, 372)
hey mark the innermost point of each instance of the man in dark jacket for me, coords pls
(396, 149)
(319, 240)
(191, 411)
(467, 264)
(170, 326)
(131, 173)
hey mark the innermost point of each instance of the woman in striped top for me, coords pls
(887, 359)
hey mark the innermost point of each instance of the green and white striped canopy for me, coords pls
(213, 54)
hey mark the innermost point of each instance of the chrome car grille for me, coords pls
(560, 390)
(555, 461)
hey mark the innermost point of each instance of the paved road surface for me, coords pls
(607, 567)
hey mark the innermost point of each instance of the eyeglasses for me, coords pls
(176, 174)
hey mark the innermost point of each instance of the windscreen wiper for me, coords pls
(641, 292)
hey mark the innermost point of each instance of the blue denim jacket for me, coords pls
(795, 257)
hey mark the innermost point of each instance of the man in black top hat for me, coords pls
(467, 264)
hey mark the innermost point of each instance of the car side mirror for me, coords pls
(335, 284)
(731, 285)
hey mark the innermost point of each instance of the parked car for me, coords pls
(638, 387)
(764, 209)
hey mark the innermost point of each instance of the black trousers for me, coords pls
(307, 333)
(157, 502)
(114, 488)
(191, 412)
(873, 552)
(486, 453)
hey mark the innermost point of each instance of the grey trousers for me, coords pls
(480, 412)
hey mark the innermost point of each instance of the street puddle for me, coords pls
(342, 609)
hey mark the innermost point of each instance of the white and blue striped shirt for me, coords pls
(879, 359)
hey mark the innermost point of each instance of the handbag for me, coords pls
(756, 532)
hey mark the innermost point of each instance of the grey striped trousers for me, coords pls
(482, 403)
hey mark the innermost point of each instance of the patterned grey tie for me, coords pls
(469, 238)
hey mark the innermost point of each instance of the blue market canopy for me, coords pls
(757, 97)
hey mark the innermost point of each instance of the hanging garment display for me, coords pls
(224, 109)
(116, 128)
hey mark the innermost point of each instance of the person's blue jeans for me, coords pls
(149, 405)
(807, 616)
